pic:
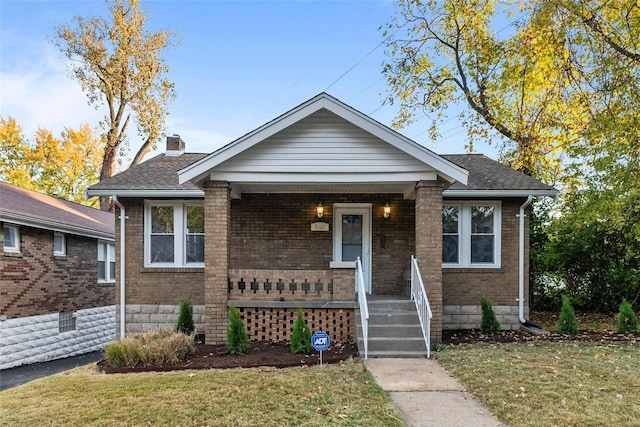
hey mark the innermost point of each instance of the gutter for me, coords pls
(122, 217)
(521, 217)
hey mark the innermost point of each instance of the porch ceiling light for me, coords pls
(320, 210)
(387, 210)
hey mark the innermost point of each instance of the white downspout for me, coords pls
(122, 266)
(521, 217)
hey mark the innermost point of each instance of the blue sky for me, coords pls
(239, 65)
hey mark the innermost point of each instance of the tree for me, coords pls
(442, 52)
(62, 167)
(300, 335)
(118, 63)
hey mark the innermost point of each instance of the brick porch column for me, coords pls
(217, 215)
(429, 248)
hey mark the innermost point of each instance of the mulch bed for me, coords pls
(473, 336)
(260, 353)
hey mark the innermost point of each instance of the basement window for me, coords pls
(66, 322)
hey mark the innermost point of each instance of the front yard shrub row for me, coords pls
(155, 347)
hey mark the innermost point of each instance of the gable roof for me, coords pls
(489, 178)
(199, 170)
(31, 208)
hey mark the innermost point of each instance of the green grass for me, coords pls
(343, 394)
(552, 384)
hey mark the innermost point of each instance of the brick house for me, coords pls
(276, 219)
(57, 282)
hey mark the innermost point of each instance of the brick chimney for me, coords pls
(175, 145)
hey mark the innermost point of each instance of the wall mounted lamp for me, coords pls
(387, 210)
(320, 210)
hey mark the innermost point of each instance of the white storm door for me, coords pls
(352, 237)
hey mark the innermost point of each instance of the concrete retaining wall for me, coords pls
(34, 339)
(470, 316)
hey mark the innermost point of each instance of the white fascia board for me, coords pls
(499, 193)
(368, 178)
(146, 193)
(199, 169)
(448, 170)
(28, 221)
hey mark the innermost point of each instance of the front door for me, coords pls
(352, 236)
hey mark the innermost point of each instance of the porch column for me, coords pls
(217, 214)
(429, 248)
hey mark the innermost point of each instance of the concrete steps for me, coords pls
(394, 329)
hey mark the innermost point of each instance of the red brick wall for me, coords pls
(34, 282)
(498, 285)
(152, 285)
(273, 231)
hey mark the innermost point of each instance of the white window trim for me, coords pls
(464, 233)
(107, 262)
(16, 237)
(179, 232)
(63, 237)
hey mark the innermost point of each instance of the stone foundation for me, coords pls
(470, 316)
(143, 317)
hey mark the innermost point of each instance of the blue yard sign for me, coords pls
(320, 341)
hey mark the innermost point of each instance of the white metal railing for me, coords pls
(419, 295)
(364, 308)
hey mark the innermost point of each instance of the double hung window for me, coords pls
(471, 234)
(106, 262)
(11, 238)
(59, 244)
(174, 234)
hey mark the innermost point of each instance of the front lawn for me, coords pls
(552, 384)
(341, 394)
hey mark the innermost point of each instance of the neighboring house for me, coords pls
(275, 220)
(57, 277)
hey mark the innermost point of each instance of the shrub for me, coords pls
(185, 319)
(627, 319)
(489, 324)
(301, 335)
(237, 338)
(155, 347)
(567, 322)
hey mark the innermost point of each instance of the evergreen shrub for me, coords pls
(301, 335)
(185, 318)
(237, 337)
(489, 323)
(627, 319)
(567, 322)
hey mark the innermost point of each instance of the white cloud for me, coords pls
(36, 91)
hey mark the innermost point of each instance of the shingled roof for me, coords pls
(30, 208)
(159, 177)
(488, 177)
(155, 177)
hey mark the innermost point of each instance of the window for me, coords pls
(106, 262)
(59, 246)
(66, 322)
(174, 234)
(471, 234)
(11, 238)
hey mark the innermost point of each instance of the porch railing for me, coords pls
(419, 296)
(364, 308)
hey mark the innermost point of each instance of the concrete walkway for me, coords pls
(425, 394)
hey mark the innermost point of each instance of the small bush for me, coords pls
(567, 322)
(627, 319)
(155, 347)
(489, 324)
(185, 319)
(301, 335)
(237, 338)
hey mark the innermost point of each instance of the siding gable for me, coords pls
(323, 142)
